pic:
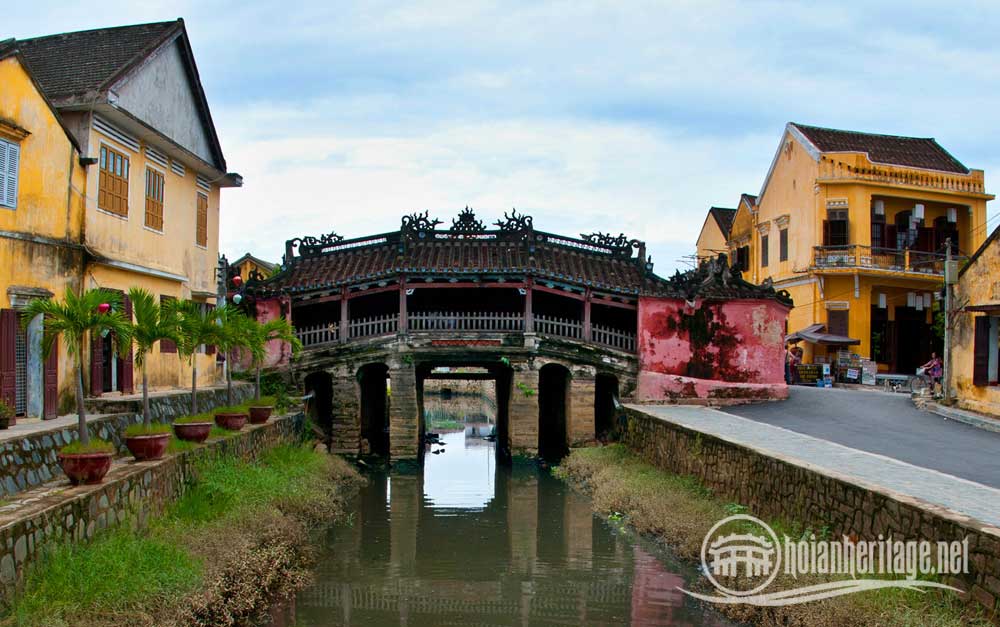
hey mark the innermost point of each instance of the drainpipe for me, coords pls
(948, 278)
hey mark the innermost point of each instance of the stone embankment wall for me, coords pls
(776, 489)
(130, 494)
(31, 460)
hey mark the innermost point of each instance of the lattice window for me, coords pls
(21, 371)
(112, 191)
(201, 231)
(154, 200)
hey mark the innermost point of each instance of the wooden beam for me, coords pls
(587, 336)
(612, 303)
(403, 325)
(463, 284)
(344, 318)
(529, 314)
(373, 290)
(552, 290)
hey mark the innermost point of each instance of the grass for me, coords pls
(680, 511)
(94, 446)
(155, 428)
(238, 536)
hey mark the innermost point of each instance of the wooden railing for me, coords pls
(563, 327)
(373, 326)
(464, 321)
(858, 256)
(972, 183)
(622, 340)
(318, 334)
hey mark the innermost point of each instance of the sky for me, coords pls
(614, 116)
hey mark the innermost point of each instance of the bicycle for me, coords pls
(920, 382)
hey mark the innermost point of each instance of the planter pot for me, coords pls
(259, 415)
(86, 468)
(145, 447)
(7, 422)
(232, 422)
(193, 431)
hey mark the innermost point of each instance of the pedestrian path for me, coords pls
(872, 470)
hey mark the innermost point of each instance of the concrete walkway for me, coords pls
(868, 469)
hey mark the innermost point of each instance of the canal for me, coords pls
(468, 541)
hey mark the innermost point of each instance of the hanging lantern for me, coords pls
(952, 215)
(927, 300)
(878, 207)
(104, 308)
(238, 298)
(237, 280)
(918, 211)
(911, 299)
(881, 301)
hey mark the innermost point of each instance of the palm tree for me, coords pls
(234, 331)
(94, 312)
(153, 323)
(261, 334)
(198, 326)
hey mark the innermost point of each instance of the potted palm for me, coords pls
(94, 312)
(153, 324)
(260, 335)
(198, 326)
(235, 331)
(6, 415)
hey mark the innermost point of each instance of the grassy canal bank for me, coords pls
(679, 511)
(241, 537)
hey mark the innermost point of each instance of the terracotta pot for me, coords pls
(259, 415)
(85, 468)
(233, 422)
(147, 446)
(193, 431)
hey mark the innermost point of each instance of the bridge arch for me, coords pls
(319, 407)
(606, 395)
(553, 411)
(373, 388)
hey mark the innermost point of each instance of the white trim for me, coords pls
(794, 132)
(151, 229)
(107, 129)
(178, 168)
(132, 267)
(157, 157)
(204, 183)
(113, 215)
(794, 282)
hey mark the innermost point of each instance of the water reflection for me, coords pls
(468, 542)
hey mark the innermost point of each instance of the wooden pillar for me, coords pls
(403, 325)
(344, 319)
(587, 335)
(529, 318)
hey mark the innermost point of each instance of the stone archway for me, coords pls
(374, 409)
(606, 394)
(553, 411)
(319, 407)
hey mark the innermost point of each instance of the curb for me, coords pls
(968, 418)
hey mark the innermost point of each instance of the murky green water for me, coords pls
(471, 542)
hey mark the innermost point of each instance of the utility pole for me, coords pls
(949, 277)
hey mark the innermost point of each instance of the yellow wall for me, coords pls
(51, 184)
(797, 193)
(979, 285)
(249, 266)
(711, 240)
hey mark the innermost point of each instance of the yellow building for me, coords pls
(41, 225)
(853, 225)
(148, 187)
(714, 234)
(974, 347)
(248, 264)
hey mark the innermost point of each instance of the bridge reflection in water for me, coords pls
(467, 541)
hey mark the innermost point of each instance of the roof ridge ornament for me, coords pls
(466, 222)
(417, 225)
(714, 277)
(619, 244)
(515, 222)
(309, 245)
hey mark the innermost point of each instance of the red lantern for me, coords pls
(103, 308)
(237, 280)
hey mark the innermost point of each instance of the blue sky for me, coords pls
(612, 116)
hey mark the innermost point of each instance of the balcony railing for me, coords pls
(458, 321)
(971, 183)
(858, 256)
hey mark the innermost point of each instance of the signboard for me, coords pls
(809, 374)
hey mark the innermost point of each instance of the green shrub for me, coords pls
(187, 420)
(157, 428)
(6, 411)
(95, 446)
(265, 401)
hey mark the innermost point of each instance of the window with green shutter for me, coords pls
(10, 156)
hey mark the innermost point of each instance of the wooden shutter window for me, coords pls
(8, 361)
(50, 385)
(764, 245)
(201, 231)
(96, 365)
(10, 155)
(127, 384)
(112, 188)
(154, 200)
(981, 352)
(783, 245)
(837, 322)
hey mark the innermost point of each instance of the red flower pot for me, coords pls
(233, 422)
(147, 446)
(85, 468)
(259, 415)
(193, 431)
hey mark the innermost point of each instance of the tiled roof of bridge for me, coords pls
(419, 248)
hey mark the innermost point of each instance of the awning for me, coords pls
(815, 333)
(983, 308)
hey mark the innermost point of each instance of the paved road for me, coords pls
(885, 424)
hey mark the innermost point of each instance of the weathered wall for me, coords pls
(977, 286)
(30, 461)
(777, 489)
(715, 350)
(130, 494)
